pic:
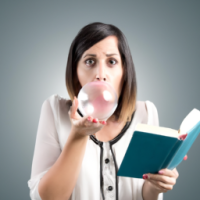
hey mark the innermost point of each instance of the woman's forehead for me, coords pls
(105, 54)
(105, 47)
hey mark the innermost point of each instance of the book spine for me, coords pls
(171, 154)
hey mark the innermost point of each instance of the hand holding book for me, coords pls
(161, 147)
(159, 183)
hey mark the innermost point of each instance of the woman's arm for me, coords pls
(59, 181)
(148, 193)
(156, 184)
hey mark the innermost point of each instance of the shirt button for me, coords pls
(107, 160)
(110, 188)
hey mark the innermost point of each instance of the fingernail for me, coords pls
(160, 172)
(182, 137)
(145, 176)
(94, 120)
(89, 118)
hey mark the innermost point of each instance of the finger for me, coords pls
(162, 178)
(166, 172)
(74, 108)
(185, 157)
(70, 114)
(92, 120)
(157, 187)
(84, 121)
(95, 120)
(161, 185)
(88, 121)
(175, 172)
(171, 173)
(103, 122)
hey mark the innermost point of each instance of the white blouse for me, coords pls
(97, 178)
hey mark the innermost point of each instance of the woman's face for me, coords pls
(102, 62)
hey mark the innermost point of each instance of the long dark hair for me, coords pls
(88, 36)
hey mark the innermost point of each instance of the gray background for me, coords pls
(35, 37)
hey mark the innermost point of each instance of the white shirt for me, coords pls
(97, 178)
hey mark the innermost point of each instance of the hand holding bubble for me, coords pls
(83, 126)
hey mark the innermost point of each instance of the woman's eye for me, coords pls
(92, 62)
(89, 62)
(113, 62)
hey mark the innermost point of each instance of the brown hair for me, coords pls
(87, 37)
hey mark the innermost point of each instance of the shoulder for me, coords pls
(152, 113)
(59, 106)
(147, 111)
(56, 101)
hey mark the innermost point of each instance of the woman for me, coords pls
(78, 157)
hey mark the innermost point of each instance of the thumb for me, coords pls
(74, 108)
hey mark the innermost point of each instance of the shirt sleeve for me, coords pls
(152, 119)
(47, 148)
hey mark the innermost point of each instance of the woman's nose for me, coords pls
(100, 74)
(100, 79)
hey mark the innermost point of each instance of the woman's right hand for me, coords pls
(86, 125)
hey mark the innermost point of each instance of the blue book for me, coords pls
(153, 148)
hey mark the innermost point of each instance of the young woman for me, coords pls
(77, 157)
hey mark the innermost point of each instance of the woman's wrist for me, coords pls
(149, 192)
(78, 135)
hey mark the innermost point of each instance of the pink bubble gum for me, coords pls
(182, 137)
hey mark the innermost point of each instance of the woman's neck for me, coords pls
(110, 130)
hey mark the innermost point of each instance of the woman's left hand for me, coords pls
(163, 181)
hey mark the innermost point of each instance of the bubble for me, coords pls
(97, 99)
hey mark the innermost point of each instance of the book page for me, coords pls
(189, 121)
(157, 130)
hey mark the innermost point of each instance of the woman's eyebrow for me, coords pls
(94, 55)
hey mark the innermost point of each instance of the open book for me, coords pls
(153, 148)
